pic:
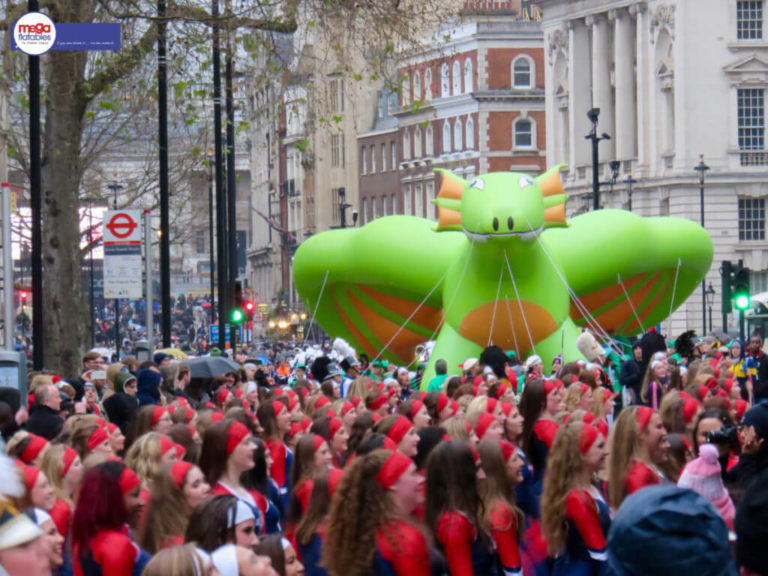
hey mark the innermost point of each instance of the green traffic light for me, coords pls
(237, 316)
(742, 302)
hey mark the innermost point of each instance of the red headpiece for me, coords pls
(551, 385)
(587, 437)
(128, 480)
(235, 434)
(322, 401)
(66, 460)
(483, 423)
(416, 405)
(442, 402)
(166, 444)
(179, 471)
(216, 416)
(399, 429)
(334, 479)
(507, 449)
(393, 468)
(30, 477)
(490, 405)
(643, 417)
(741, 407)
(501, 390)
(381, 399)
(157, 413)
(222, 396)
(278, 407)
(96, 438)
(34, 448)
(317, 442)
(333, 427)
(346, 407)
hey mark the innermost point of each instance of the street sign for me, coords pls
(122, 254)
(213, 333)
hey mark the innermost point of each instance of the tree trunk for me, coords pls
(66, 317)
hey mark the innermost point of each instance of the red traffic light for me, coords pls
(249, 306)
(24, 295)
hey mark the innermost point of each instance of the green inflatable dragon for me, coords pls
(502, 267)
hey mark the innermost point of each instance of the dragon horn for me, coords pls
(549, 182)
(449, 200)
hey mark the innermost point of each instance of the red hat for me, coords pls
(442, 402)
(346, 407)
(30, 477)
(66, 460)
(587, 437)
(483, 423)
(416, 406)
(333, 427)
(179, 472)
(222, 395)
(96, 438)
(507, 449)
(216, 416)
(320, 402)
(399, 429)
(394, 467)
(157, 413)
(235, 434)
(643, 417)
(381, 399)
(34, 448)
(490, 405)
(128, 480)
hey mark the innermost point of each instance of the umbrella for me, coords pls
(174, 353)
(210, 366)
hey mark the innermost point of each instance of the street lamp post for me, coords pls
(629, 182)
(210, 159)
(343, 206)
(615, 165)
(90, 258)
(702, 168)
(710, 301)
(115, 188)
(593, 114)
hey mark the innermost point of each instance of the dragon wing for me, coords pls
(366, 284)
(628, 272)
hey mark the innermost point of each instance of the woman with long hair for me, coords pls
(99, 539)
(574, 515)
(638, 444)
(258, 478)
(280, 551)
(401, 431)
(176, 490)
(332, 430)
(578, 396)
(416, 412)
(454, 510)
(439, 407)
(27, 447)
(228, 452)
(220, 520)
(503, 469)
(88, 438)
(654, 384)
(178, 561)
(147, 455)
(63, 468)
(275, 418)
(311, 531)
(369, 526)
(540, 403)
(312, 457)
(360, 428)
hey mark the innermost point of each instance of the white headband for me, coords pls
(239, 514)
(225, 560)
(41, 516)
(285, 542)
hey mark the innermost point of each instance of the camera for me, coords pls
(726, 435)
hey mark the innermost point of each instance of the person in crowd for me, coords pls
(64, 470)
(312, 457)
(90, 437)
(179, 561)
(637, 444)
(147, 455)
(401, 431)
(177, 489)
(280, 551)
(275, 419)
(44, 419)
(333, 431)
(121, 406)
(654, 384)
(753, 460)
(22, 551)
(416, 412)
(370, 529)
(540, 403)
(441, 374)
(220, 520)
(148, 383)
(752, 529)
(630, 376)
(28, 448)
(454, 508)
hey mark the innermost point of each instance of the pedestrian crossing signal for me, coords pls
(741, 299)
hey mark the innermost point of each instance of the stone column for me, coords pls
(642, 100)
(578, 92)
(624, 58)
(602, 93)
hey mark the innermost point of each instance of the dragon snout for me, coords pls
(510, 224)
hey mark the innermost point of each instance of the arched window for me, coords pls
(445, 81)
(470, 134)
(522, 72)
(428, 84)
(430, 151)
(469, 79)
(523, 130)
(416, 85)
(406, 144)
(417, 153)
(456, 78)
(446, 136)
(457, 135)
(406, 89)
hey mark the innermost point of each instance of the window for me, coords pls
(394, 203)
(337, 153)
(383, 157)
(749, 19)
(758, 281)
(470, 134)
(417, 150)
(445, 81)
(373, 159)
(337, 95)
(200, 242)
(374, 214)
(751, 118)
(456, 78)
(430, 141)
(406, 144)
(394, 155)
(521, 72)
(431, 206)
(523, 133)
(428, 84)
(418, 196)
(364, 155)
(446, 136)
(416, 85)
(405, 85)
(407, 207)
(385, 205)
(469, 80)
(336, 207)
(751, 219)
(365, 217)
(457, 135)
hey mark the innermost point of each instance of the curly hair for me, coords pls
(361, 427)
(625, 444)
(563, 470)
(358, 508)
(144, 456)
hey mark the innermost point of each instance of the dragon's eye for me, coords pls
(478, 183)
(525, 181)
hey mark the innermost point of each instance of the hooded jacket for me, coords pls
(149, 387)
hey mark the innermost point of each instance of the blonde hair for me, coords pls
(359, 388)
(476, 407)
(51, 467)
(572, 396)
(456, 428)
(176, 561)
(625, 445)
(15, 440)
(598, 403)
(563, 471)
(144, 457)
(112, 371)
(38, 381)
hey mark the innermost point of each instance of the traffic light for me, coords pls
(741, 298)
(249, 307)
(236, 316)
(727, 276)
(24, 298)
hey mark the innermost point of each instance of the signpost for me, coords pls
(122, 254)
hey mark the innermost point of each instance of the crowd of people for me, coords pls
(653, 464)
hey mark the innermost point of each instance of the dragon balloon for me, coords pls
(504, 267)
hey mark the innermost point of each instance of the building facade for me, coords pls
(675, 81)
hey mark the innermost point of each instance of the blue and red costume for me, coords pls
(401, 550)
(282, 464)
(589, 519)
(639, 476)
(257, 503)
(111, 553)
(465, 552)
(312, 553)
(504, 531)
